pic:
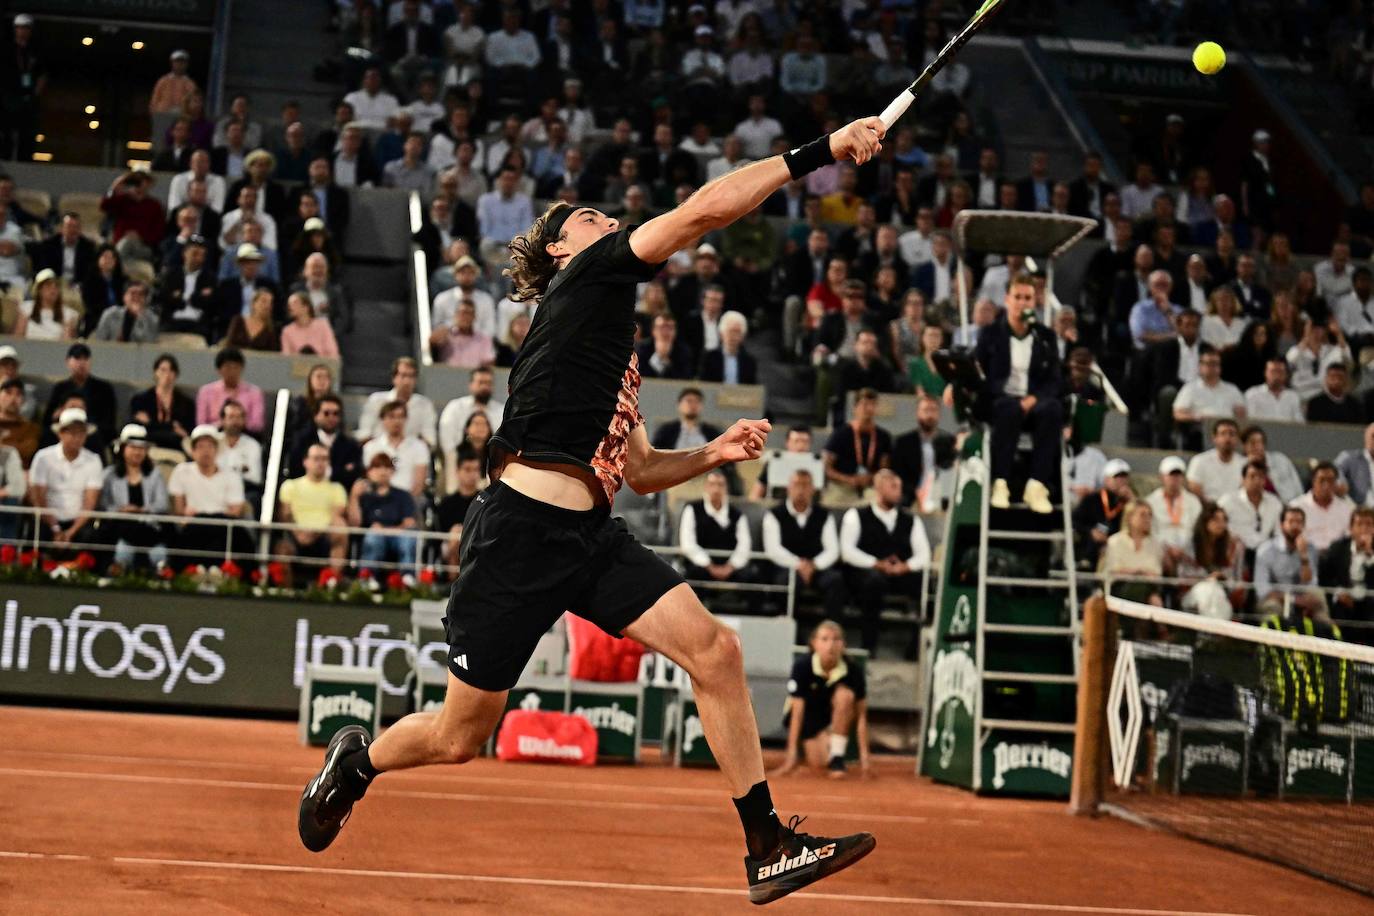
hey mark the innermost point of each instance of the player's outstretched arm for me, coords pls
(649, 470)
(729, 197)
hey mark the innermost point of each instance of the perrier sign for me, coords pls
(948, 741)
(614, 711)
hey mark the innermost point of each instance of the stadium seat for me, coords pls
(86, 206)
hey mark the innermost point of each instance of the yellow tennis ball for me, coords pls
(1209, 57)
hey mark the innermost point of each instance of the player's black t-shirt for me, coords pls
(815, 689)
(574, 388)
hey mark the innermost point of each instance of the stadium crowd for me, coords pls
(1195, 306)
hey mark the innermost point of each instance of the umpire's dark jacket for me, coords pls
(994, 357)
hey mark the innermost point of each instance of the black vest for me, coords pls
(796, 540)
(876, 541)
(710, 536)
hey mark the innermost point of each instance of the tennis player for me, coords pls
(541, 539)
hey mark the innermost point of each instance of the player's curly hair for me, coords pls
(531, 266)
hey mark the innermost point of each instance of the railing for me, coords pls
(263, 553)
(420, 283)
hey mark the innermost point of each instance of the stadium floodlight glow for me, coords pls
(88, 41)
(39, 138)
(90, 109)
(42, 157)
(94, 125)
(138, 46)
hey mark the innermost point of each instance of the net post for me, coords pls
(1090, 738)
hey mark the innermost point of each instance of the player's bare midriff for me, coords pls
(560, 485)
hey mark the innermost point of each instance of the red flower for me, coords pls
(276, 573)
(49, 566)
(8, 554)
(28, 558)
(427, 576)
(365, 574)
(231, 570)
(395, 581)
(85, 561)
(166, 572)
(255, 576)
(328, 578)
(191, 570)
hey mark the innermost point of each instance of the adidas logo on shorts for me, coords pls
(805, 857)
(461, 661)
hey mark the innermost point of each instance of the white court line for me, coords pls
(549, 802)
(430, 773)
(626, 886)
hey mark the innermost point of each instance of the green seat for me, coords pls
(1088, 419)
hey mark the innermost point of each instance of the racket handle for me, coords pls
(896, 108)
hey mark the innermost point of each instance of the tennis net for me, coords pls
(1255, 738)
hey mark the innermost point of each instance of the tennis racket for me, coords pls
(899, 105)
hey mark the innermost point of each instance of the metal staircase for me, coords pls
(1003, 681)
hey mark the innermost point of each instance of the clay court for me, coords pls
(126, 813)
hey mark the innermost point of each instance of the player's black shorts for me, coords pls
(523, 563)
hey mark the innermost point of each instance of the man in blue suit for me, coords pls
(1021, 385)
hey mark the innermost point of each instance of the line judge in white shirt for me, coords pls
(1274, 400)
(712, 524)
(800, 535)
(1253, 512)
(885, 551)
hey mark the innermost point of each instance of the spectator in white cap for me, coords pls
(1175, 509)
(235, 295)
(172, 88)
(202, 490)
(44, 317)
(26, 76)
(1098, 516)
(703, 69)
(134, 487)
(65, 481)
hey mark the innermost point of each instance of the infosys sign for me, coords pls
(197, 651)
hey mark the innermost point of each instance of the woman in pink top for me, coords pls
(306, 333)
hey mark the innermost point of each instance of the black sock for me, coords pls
(761, 827)
(358, 771)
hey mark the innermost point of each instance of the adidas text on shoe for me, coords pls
(801, 859)
(328, 798)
